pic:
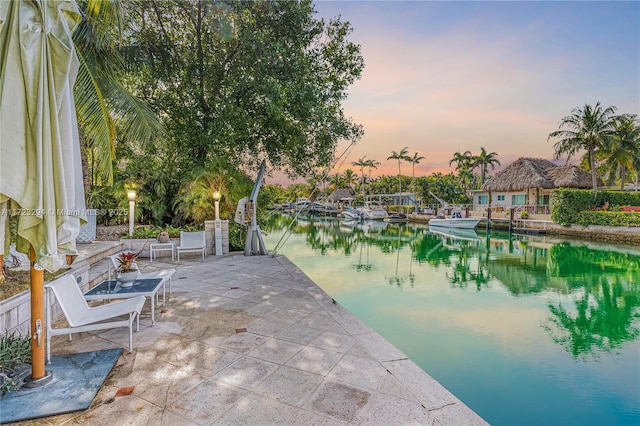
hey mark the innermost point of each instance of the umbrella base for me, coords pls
(30, 383)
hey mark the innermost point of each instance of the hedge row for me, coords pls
(577, 206)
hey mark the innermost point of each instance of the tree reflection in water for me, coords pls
(603, 284)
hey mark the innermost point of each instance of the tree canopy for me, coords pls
(245, 80)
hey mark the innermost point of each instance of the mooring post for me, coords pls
(511, 214)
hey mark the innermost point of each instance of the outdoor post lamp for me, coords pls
(218, 224)
(131, 195)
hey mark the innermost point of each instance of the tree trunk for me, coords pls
(85, 169)
(623, 175)
(594, 178)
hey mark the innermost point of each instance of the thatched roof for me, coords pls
(526, 173)
(338, 194)
(571, 177)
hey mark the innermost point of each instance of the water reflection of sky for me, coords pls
(488, 342)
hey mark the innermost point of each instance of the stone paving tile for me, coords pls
(299, 334)
(390, 411)
(275, 350)
(362, 372)
(201, 359)
(335, 342)
(241, 342)
(267, 327)
(205, 403)
(247, 372)
(339, 401)
(289, 385)
(257, 410)
(314, 360)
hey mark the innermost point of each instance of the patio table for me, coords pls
(107, 290)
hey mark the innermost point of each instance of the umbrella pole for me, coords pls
(39, 377)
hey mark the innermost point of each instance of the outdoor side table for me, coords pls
(107, 290)
(158, 247)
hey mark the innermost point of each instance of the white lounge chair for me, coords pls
(192, 242)
(81, 317)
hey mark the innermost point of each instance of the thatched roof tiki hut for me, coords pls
(529, 181)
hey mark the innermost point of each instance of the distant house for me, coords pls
(340, 198)
(528, 182)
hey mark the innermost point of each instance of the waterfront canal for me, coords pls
(524, 330)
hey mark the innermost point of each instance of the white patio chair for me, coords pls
(192, 242)
(80, 317)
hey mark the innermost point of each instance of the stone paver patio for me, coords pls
(253, 341)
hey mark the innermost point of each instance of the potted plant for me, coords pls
(524, 215)
(127, 271)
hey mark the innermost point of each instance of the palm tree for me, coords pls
(400, 156)
(485, 160)
(371, 164)
(105, 109)
(590, 129)
(414, 160)
(349, 178)
(623, 153)
(362, 163)
(463, 161)
(335, 181)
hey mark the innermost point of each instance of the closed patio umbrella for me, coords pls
(40, 167)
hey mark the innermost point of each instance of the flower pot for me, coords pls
(126, 279)
(163, 237)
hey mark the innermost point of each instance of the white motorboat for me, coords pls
(373, 211)
(351, 214)
(458, 233)
(455, 221)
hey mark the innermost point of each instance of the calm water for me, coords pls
(525, 331)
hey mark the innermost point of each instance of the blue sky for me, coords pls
(442, 77)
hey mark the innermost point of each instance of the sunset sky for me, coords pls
(450, 76)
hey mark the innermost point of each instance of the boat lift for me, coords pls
(246, 213)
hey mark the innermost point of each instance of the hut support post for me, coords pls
(488, 220)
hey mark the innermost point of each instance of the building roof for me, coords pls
(526, 173)
(339, 194)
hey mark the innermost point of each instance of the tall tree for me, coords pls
(415, 159)
(400, 156)
(484, 160)
(349, 178)
(106, 110)
(590, 129)
(246, 80)
(622, 154)
(463, 161)
(362, 163)
(371, 164)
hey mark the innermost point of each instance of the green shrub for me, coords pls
(573, 206)
(607, 218)
(15, 350)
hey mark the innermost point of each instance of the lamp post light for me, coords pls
(131, 195)
(218, 224)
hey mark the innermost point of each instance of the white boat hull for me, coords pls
(461, 223)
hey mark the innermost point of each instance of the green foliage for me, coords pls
(576, 206)
(15, 350)
(151, 232)
(606, 218)
(244, 80)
